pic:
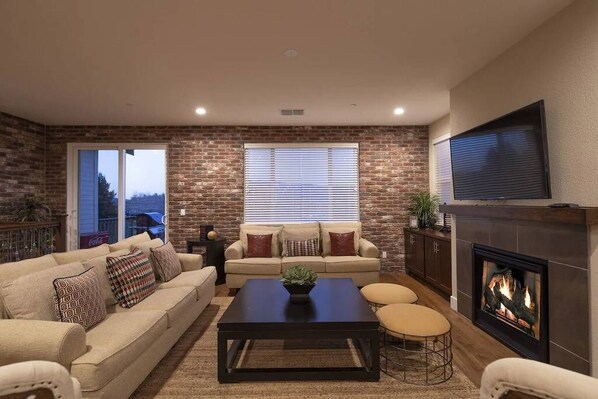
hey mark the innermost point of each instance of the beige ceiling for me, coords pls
(150, 62)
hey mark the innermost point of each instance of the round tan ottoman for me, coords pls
(381, 294)
(416, 344)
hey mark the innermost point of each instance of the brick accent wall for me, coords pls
(22, 162)
(205, 173)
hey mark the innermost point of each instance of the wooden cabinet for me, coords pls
(428, 256)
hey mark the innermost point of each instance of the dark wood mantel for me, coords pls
(581, 215)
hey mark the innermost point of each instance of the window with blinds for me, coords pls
(301, 182)
(442, 153)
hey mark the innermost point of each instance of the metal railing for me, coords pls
(19, 241)
(110, 225)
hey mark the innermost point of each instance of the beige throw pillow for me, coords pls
(31, 297)
(166, 261)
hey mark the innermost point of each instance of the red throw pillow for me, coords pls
(259, 246)
(342, 244)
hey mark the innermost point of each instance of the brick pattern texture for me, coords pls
(22, 162)
(205, 173)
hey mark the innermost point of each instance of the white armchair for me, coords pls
(38, 378)
(535, 379)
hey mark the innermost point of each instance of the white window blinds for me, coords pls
(442, 153)
(301, 182)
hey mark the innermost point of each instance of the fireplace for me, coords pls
(511, 301)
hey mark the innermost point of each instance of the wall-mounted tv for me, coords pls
(506, 158)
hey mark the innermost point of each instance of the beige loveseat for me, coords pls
(111, 359)
(363, 269)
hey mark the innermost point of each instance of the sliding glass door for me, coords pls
(114, 192)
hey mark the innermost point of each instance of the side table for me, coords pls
(214, 254)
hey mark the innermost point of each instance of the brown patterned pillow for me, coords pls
(131, 278)
(79, 299)
(342, 244)
(166, 261)
(259, 246)
(309, 247)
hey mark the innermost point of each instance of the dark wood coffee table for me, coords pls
(262, 310)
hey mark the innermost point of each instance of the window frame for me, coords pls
(300, 145)
(435, 180)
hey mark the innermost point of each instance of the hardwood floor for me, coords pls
(473, 349)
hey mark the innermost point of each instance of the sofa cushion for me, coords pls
(165, 261)
(260, 230)
(99, 264)
(12, 270)
(17, 294)
(114, 344)
(196, 278)
(127, 242)
(340, 264)
(131, 278)
(342, 244)
(145, 247)
(79, 299)
(315, 263)
(253, 266)
(174, 301)
(80, 255)
(309, 247)
(299, 233)
(259, 246)
(341, 227)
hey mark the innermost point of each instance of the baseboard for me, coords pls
(454, 303)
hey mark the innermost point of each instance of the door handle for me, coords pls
(164, 220)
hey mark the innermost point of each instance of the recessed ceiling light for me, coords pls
(200, 111)
(291, 53)
(399, 111)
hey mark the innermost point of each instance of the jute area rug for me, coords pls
(189, 370)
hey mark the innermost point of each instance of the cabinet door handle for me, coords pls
(411, 239)
(435, 247)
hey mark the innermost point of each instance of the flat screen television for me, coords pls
(506, 158)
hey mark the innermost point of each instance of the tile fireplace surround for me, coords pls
(560, 236)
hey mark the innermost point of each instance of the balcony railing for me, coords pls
(110, 225)
(19, 241)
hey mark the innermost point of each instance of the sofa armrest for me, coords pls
(367, 249)
(25, 379)
(234, 251)
(190, 262)
(535, 379)
(22, 340)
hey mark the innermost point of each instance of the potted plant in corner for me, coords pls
(424, 206)
(32, 209)
(299, 281)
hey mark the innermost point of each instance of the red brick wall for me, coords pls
(205, 170)
(22, 156)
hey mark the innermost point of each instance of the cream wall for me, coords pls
(558, 62)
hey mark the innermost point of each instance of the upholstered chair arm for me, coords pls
(190, 262)
(30, 379)
(234, 251)
(367, 249)
(536, 379)
(22, 340)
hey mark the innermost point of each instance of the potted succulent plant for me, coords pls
(299, 281)
(424, 206)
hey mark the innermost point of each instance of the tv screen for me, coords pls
(506, 158)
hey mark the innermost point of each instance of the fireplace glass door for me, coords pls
(512, 295)
(510, 299)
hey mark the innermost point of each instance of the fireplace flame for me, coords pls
(528, 298)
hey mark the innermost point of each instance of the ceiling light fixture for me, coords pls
(399, 111)
(291, 53)
(200, 111)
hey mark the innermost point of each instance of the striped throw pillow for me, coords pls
(79, 299)
(131, 278)
(309, 247)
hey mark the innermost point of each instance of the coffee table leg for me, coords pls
(222, 357)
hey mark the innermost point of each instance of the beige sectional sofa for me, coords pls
(111, 359)
(363, 269)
